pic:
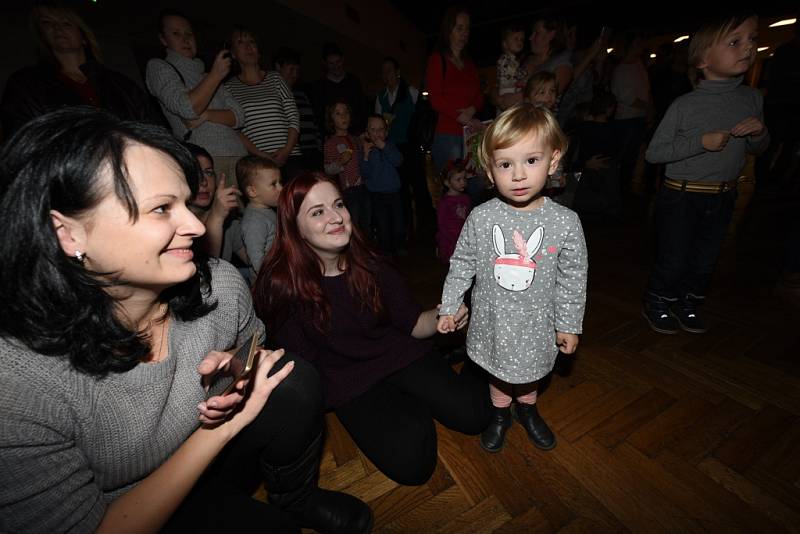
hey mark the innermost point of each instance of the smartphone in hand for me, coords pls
(238, 368)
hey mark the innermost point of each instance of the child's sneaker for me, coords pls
(686, 314)
(660, 319)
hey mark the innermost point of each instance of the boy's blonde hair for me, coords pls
(247, 169)
(710, 34)
(515, 124)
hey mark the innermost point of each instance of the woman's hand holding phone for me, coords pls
(218, 409)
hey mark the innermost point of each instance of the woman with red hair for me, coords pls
(327, 296)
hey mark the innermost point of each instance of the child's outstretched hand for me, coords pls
(446, 324)
(749, 126)
(716, 140)
(567, 343)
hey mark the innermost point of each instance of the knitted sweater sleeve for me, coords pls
(48, 484)
(670, 143)
(165, 84)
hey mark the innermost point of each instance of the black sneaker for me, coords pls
(660, 320)
(687, 319)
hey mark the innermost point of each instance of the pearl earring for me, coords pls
(79, 256)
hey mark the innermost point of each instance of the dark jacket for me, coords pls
(33, 91)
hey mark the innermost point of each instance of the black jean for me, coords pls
(392, 423)
(690, 230)
(290, 421)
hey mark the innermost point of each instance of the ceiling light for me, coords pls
(609, 50)
(652, 56)
(681, 38)
(762, 48)
(784, 22)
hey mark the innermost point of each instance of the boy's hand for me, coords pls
(749, 126)
(380, 144)
(226, 199)
(446, 324)
(567, 343)
(716, 140)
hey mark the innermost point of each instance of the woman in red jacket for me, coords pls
(453, 87)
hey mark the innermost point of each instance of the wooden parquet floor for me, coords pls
(682, 433)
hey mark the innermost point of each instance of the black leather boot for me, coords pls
(538, 431)
(494, 436)
(293, 488)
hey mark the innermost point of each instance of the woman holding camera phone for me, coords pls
(110, 328)
(196, 104)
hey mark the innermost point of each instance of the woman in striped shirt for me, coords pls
(272, 121)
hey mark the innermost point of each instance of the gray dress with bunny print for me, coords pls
(530, 281)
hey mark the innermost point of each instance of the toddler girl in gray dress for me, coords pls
(528, 257)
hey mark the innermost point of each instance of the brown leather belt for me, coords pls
(700, 187)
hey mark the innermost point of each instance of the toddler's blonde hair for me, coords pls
(515, 124)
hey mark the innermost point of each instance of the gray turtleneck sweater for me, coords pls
(172, 93)
(713, 105)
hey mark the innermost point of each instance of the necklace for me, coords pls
(162, 310)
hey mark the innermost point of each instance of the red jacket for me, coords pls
(457, 89)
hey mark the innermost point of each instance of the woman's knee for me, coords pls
(300, 393)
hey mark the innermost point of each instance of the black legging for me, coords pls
(392, 423)
(291, 420)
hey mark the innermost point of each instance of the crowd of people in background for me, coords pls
(117, 295)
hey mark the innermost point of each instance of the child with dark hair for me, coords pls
(703, 139)
(260, 183)
(453, 208)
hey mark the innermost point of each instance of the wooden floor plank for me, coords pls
(483, 518)
(344, 450)
(744, 446)
(627, 420)
(653, 435)
(598, 412)
(715, 496)
(469, 475)
(569, 497)
(635, 503)
(531, 522)
(710, 429)
(431, 515)
(748, 492)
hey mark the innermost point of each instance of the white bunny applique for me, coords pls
(515, 271)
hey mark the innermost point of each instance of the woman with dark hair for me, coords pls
(549, 51)
(326, 295)
(70, 73)
(453, 87)
(110, 327)
(196, 104)
(272, 122)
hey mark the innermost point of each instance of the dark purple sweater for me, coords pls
(357, 351)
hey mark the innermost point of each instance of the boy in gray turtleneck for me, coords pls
(703, 139)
